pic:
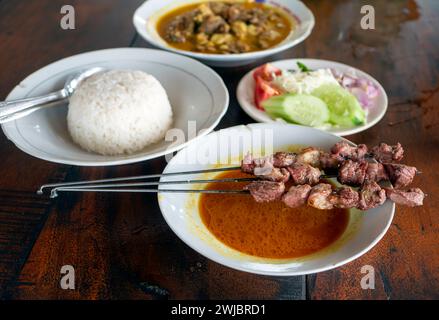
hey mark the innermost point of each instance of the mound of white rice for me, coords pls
(119, 112)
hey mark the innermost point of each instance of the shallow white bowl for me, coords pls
(246, 88)
(181, 213)
(147, 15)
(195, 91)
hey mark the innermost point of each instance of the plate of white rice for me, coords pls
(146, 104)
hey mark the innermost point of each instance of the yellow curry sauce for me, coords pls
(268, 230)
(224, 27)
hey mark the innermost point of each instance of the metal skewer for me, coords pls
(120, 186)
(150, 176)
(54, 192)
(101, 186)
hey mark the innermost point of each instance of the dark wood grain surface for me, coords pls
(121, 247)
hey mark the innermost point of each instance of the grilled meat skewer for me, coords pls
(340, 152)
(412, 197)
(353, 173)
(345, 151)
(382, 153)
(399, 174)
(322, 196)
(371, 196)
(266, 191)
(356, 173)
(301, 173)
(385, 153)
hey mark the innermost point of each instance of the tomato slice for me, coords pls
(263, 91)
(263, 87)
(266, 72)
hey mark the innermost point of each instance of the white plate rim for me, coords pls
(9, 131)
(260, 116)
(273, 273)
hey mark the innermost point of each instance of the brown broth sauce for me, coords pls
(268, 230)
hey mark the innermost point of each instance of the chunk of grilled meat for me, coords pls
(265, 164)
(345, 151)
(278, 160)
(344, 198)
(413, 197)
(296, 196)
(302, 173)
(387, 153)
(283, 159)
(264, 169)
(376, 172)
(309, 156)
(266, 191)
(276, 174)
(247, 164)
(319, 196)
(371, 196)
(399, 174)
(329, 160)
(352, 173)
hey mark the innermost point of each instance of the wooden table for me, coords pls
(120, 245)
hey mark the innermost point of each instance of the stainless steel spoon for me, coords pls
(15, 109)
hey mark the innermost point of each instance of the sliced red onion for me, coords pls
(361, 96)
(364, 90)
(372, 91)
(348, 82)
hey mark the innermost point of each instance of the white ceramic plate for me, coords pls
(180, 210)
(147, 15)
(195, 91)
(245, 94)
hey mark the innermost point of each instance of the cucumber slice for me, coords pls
(344, 108)
(298, 108)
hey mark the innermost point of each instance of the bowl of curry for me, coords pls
(263, 238)
(224, 32)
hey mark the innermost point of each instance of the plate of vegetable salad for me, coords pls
(323, 94)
